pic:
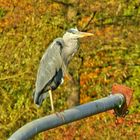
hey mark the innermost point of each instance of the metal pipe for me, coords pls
(67, 116)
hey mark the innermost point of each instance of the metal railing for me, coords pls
(117, 101)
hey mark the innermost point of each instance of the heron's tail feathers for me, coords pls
(39, 97)
(36, 97)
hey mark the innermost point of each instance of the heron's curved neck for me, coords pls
(71, 42)
(70, 48)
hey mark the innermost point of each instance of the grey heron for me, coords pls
(54, 62)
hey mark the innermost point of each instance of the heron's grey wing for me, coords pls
(49, 65)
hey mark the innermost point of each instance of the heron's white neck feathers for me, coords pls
(70, 48)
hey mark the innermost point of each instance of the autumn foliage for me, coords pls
(111, 56)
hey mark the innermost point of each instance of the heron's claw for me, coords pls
(60, 116)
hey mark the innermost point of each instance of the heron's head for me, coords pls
(73, 33)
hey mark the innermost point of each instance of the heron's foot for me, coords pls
(59, 115)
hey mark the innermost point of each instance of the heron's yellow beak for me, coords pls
(84, 34)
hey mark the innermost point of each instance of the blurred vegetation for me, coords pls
(111, 56)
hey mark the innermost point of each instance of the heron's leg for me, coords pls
(51, 100)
